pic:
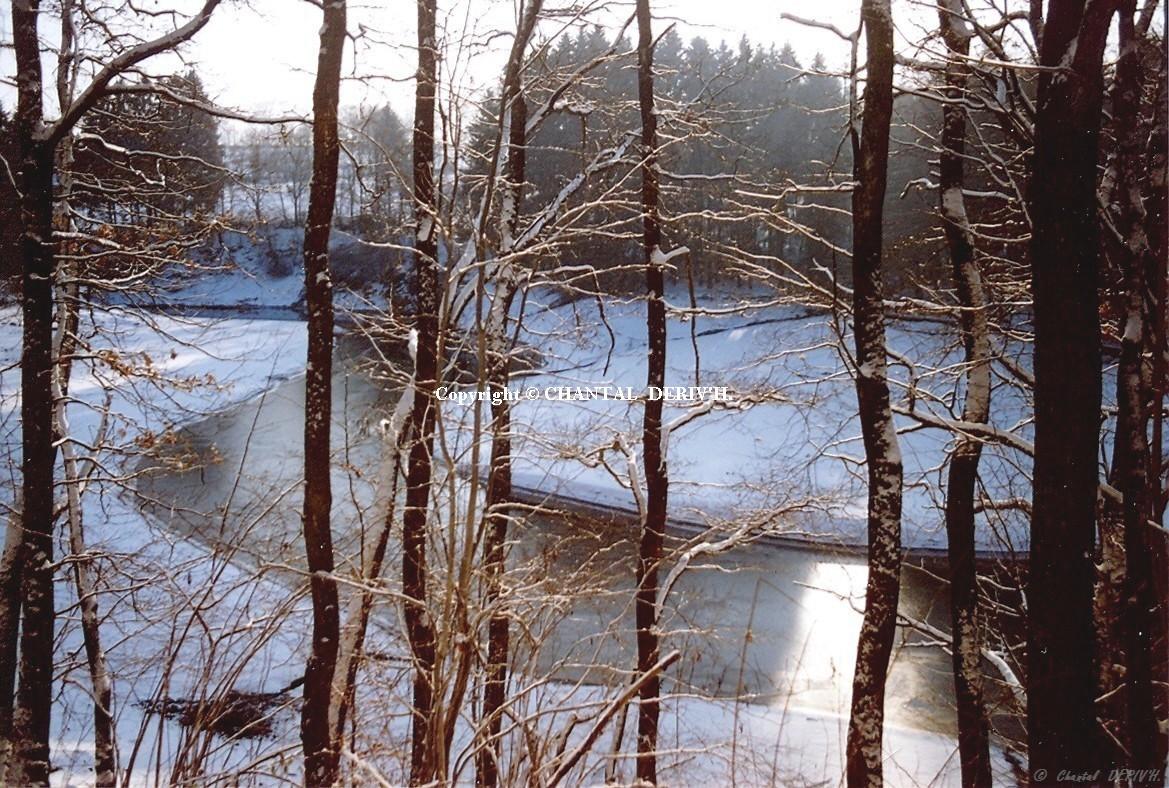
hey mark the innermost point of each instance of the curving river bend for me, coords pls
(772, 623)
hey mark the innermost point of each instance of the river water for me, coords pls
(769, 622)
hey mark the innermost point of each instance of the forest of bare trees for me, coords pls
(584, 392)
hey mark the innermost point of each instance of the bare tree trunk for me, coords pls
(420, 632)
(499, 489)
(64, 346)
(871, 157)
(34, 174)
(34, 697)
(1130, 455)
(68, 307)
(35, 181)
(10, 583)
(1156, 218)
(321, 749)
(105, 773)
(656, 476)
(499, 494)
(12, 561)
(1061, 671)
(973, 734)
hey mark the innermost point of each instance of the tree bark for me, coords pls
(499, 494)
(656, 474)
(35, 179)
(11, 565)
(966, 651)
(105, 774)
(1157, 224)
(1131, 449)
(882, 452)
(321, 748)
(499, 488)
(64, 346)
(420, 632)
(1061, 714)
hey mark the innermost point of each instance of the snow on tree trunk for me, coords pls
(973, 735)
(1140, 734)
(10, 582)
(878, 628)
(656, 477)
(1062, 731)
(497, 513)
(321, 749)
(424, 735)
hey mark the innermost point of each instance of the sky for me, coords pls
(263, 56)
(260, 55)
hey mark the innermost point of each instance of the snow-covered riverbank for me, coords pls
(173, 613)
(182, 618)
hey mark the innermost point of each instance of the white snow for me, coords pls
(782, 441)
(176, 600)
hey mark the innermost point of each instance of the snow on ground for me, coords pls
(796, 448)
(215, 619)
(263, 270)
(176, 602)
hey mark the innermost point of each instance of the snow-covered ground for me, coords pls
(179, 613)
(172, 611)
(263, 271)
(788, 441)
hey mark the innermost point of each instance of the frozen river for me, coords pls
(772, 623)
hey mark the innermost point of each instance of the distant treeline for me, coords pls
(755, 162)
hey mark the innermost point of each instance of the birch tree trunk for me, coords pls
(1141, 735)
(1061, 672)
(973, 735)
(656, 475)
(514, 107)
(871, 157)
(424, 741)
(321, 748)
(11, 565)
